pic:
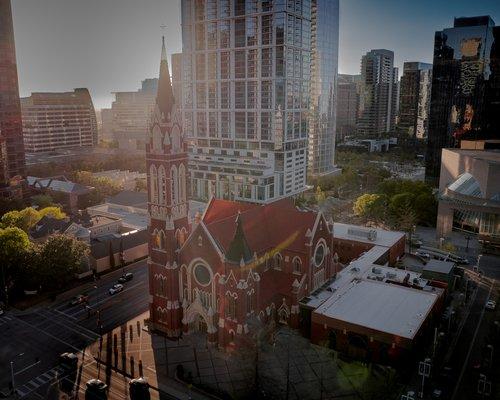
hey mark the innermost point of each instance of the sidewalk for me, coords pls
(459, 239)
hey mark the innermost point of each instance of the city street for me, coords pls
(33, 340)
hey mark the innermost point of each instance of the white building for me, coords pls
(246, 87)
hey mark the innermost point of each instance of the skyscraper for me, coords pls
(378, 103)
(54, 121)
(348, 93)
(246, 87)
(415, 100)
(11, 132)
(324, 63)
(465, 101)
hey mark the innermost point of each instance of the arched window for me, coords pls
(278, 261)
(297, 265)
(319, 254)
(155, 240)
(175, 138)
(162, 183)
(231, 306)
(157, 139)
(162, 242)
(174, 185)
(182, 183)
(153, 181)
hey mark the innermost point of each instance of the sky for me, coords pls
(111, 45)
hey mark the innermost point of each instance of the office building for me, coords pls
(324, 63)
(378, 102)
(469, 188)
(415, 101)
(128, 119)
(348, 97)
(177, 77)
(246, 87)
(55, 121)
(465, 101)
(12, 167)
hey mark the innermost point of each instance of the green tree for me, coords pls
(14, 246)
(53, 211)
(60, 258)
(426, 209)
(370, 206)
(42, 200)
(24, 219)
(320, 195)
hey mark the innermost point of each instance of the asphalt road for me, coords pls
(32, 341)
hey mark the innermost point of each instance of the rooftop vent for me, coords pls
(370, 234)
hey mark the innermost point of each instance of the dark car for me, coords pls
(68, 361)
(81, 298)
(126, 277)
(96, 390)
(139, 389)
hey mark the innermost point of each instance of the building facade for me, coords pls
(324, 66)
(415, 101)
(379, 97)
(469, 192)
(12, 166)
(348, 97)
(128, 119)
(55, 121)
(465, 101)
(246, 87)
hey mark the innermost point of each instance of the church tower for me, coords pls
(166, 161)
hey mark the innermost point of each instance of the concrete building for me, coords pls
(55, 121)
(465, 100)
(324, 66)
(12, 167)
(246, 88)
(106, 124)
(348, 97)
(469, 192)
(415, 101)
(129, 116)
(177, 77)
(379, 97)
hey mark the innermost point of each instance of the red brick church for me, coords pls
(236, 265)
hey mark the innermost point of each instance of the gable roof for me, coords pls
(47, 226)
(238, 248)
(266, 227)
(58, 185)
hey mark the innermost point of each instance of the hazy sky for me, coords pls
(111, 45)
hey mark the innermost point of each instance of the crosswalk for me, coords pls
(5, 320)
(49, 376)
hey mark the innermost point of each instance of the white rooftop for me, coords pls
(394, 309)
(379, 237)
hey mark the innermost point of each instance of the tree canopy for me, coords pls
(26, 218)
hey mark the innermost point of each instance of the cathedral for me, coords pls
(236, 267)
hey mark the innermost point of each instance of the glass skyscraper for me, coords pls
(324, 66)
(246, 87)
(465, 101)
(12, 166)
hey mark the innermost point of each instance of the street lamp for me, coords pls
(12, 371)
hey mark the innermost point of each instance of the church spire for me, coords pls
(165, 95)
(238, 248)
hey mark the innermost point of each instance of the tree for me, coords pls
(42, 200)
(60, 258)
(426, 209)
(28, 217)
(14, 245)
(54, 212)
(320, 195)
(370, 206)
(23, 219)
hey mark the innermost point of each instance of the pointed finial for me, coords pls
(163, 50)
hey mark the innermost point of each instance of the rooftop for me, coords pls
(378, 237)
(59, 184)
(442, 267)
(394, 309)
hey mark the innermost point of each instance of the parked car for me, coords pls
(116, 289)
(490, 305)
(126, 277)
(81, 298)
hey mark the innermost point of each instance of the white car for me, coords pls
(490, 305)
(116, 289)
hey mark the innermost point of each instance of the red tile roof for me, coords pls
(266, 227)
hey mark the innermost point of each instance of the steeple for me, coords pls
(165, 95)
(238, 248)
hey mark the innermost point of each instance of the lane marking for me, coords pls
(470, 348)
